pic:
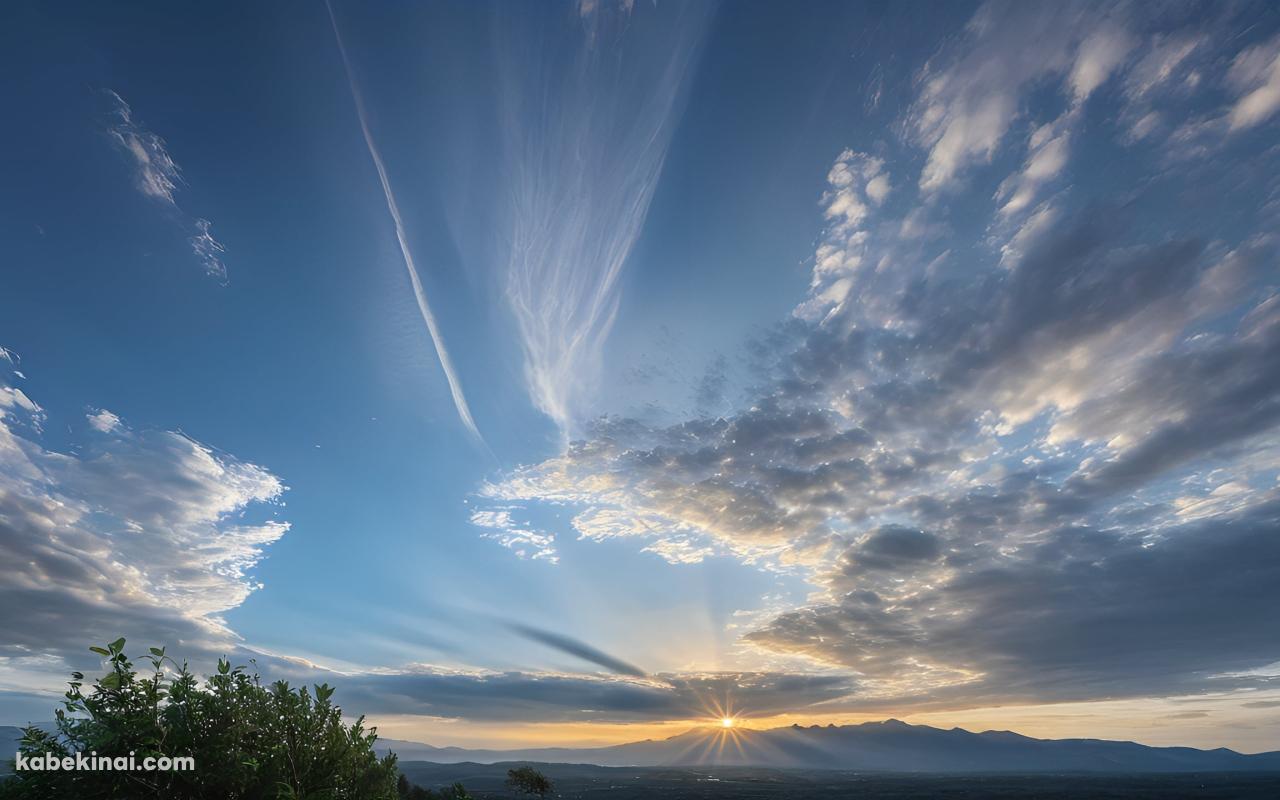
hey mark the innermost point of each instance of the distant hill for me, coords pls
(889, 746)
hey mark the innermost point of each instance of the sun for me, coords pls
(726, 722)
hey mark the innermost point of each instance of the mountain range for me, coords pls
(889, 746)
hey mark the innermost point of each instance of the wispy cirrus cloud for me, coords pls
(158, 176)
(587, 137)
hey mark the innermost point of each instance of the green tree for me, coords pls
(528, 780)
(248, 741)
(409, 791)
(456, 792)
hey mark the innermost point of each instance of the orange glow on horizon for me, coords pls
(1145, 721)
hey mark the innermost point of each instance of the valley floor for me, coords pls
(574, 782)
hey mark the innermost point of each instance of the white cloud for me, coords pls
(208, 249)
(675, 550)
(878, 188)
(1161, 63)
(103, 421)
(1099, 55)
(968, 99)
(14, 398)
(1144, 125)
(498, 525)
(158, 176)
(968, 135)
(142, 534)
(1255, 73)
(857, 184)
(1047, 156)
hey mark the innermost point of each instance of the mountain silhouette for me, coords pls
(889, 746)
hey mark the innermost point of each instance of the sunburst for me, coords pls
(724, 733)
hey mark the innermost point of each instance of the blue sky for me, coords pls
(880, 359)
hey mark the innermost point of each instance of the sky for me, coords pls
(576, 373)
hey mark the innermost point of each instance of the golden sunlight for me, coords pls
(726, 722)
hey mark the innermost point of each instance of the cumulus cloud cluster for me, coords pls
(1041, 464)
(142, 533)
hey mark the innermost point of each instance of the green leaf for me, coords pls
(117, 646)
(157, 652)
(100, 651)
(110, 681)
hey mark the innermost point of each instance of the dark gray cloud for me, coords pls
(894, 545)
(1222, 394)
(550, 697)
(1080, 615)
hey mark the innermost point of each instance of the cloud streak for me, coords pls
(567, 644)
(419, 293)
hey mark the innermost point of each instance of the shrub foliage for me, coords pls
(249, 741)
